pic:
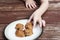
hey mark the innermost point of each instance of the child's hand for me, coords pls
(37, 18)
(30, 4)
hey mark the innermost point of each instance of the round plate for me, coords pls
(10, 31)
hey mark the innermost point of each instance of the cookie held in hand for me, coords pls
(29, 26)
(28, 29)
(28, 32)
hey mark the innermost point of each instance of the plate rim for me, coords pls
(9, 24)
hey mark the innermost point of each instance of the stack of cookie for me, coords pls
(23, 33)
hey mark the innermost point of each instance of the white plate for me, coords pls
(10, 31)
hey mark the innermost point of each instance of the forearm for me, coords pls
(43, 7)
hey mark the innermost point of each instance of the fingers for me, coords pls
(43, 23)
(40, 23)
(26, 5)
(31, 5)
(30, 18)
(35, 4)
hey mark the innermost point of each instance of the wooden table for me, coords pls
(11, 10)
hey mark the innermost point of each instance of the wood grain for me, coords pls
(51, 32)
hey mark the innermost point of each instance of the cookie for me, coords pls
(20, 33)
(29, 25)
(19, 26)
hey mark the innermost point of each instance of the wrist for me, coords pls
(39, 12)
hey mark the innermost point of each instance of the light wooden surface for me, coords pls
(11, 10)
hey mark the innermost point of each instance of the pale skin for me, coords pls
(36, 16)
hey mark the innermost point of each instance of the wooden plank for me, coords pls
(51, 34)
(13, 7)
(7, 17)
(14, 1)
(21, 7)
(52, 16)
(54, 6)
(49, 16)
(10, 1)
